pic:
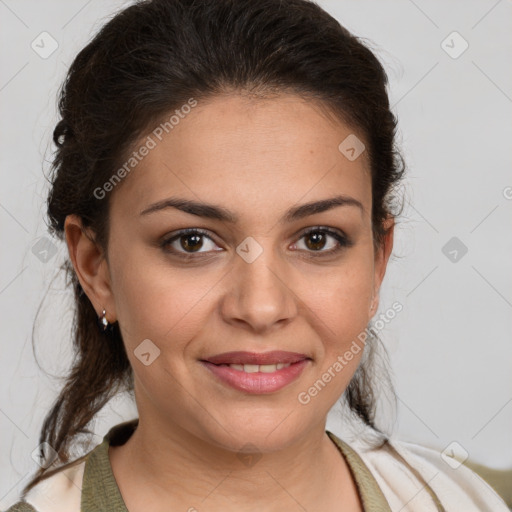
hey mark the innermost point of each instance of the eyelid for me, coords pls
(326, 229)
(167, 240)
(340, 236)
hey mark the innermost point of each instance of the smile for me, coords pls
(253, 368)
(256, 379)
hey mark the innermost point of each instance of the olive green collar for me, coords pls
(371, 495)
(100, 490)
(99, 486)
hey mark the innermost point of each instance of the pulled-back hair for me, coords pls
(149, 60)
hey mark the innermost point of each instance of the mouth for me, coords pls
(254, 368)
(257, 373)
(274, 357)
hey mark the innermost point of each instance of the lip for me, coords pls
(258, 382)
(241, 357)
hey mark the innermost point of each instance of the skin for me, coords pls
(257, 158)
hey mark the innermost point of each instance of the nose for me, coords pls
(259, 296)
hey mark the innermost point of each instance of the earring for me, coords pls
(103, 323)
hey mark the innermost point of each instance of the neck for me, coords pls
(305, 471)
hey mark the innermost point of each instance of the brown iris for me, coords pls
(192, 242)
(318, 240)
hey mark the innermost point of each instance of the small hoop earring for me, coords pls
(103, 323)
(103, 320)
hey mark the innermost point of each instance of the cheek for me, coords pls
(341, 305)
(342, 295)
(158, 302)
(340, 315)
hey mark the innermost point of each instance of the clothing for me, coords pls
(388, 480)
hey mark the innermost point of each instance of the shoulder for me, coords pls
(454, 482)
(21, 506)
(420, 478)
(60, 492)
(78, 482)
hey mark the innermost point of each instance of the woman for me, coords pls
(223, 181)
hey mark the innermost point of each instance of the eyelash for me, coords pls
(343, 242)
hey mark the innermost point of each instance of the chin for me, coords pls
(268, 434)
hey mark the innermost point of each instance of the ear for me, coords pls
(382, 255)
(91, 266)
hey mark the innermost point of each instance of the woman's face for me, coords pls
(255, 284)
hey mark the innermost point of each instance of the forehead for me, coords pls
(246, 152)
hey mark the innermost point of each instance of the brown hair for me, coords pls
(148, 60)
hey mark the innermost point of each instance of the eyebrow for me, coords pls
(211, 211)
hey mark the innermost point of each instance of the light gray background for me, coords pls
(450, 346)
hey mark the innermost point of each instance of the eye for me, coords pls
(188, 242)
(317, 239)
